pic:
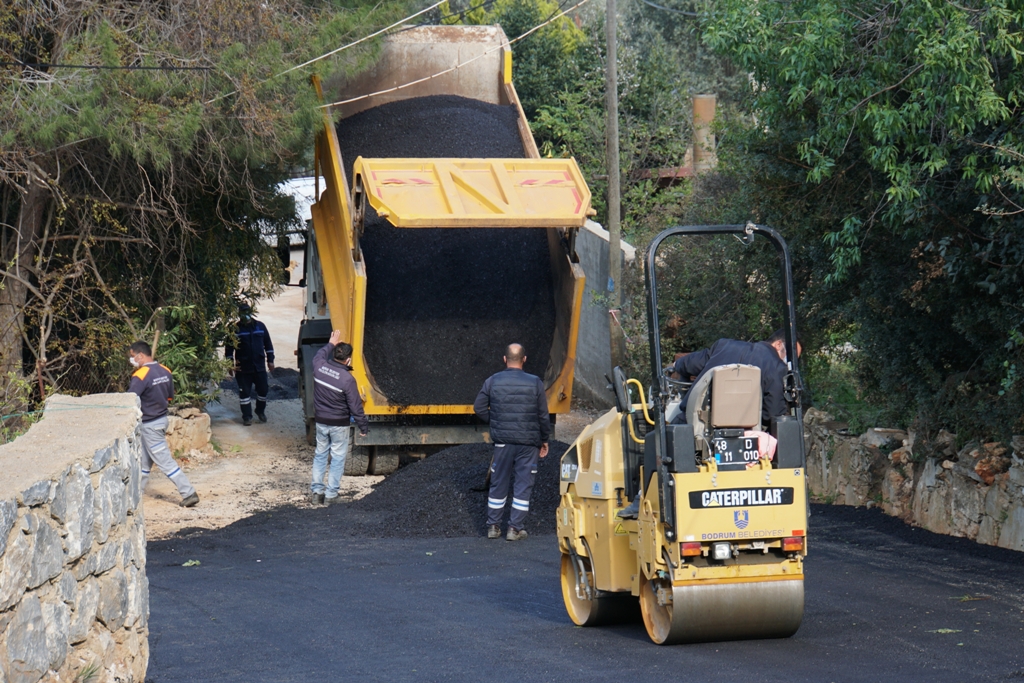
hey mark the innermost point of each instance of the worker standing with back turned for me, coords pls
(515, 406)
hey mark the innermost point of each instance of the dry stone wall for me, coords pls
(74, 598)
(188, 430)
(976, 492)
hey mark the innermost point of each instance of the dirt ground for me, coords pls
(259, 467)
(251, 468)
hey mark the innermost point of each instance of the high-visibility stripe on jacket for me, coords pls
(254, 349)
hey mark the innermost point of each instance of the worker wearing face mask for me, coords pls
(253, 354)
(154, 386)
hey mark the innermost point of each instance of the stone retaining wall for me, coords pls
(976, 492)
(188, 430)
(74, 598)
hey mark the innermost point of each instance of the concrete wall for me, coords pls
(74, 597)
(594, 346)
(975, 492)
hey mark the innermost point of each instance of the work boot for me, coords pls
(246, 421)
(494, 531)
(190, 501)
(631, 512)
(261, 417)
(316, 499)
(515, 534)
(331, 501)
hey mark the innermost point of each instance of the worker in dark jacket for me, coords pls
(253, 355)
(516, 407)
(768, 355)
(336, 404)
(154, 385)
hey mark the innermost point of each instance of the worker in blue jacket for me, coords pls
(768, 355)
(253, 354)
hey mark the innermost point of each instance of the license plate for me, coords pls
(735, 452)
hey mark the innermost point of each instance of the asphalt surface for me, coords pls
(288, 595)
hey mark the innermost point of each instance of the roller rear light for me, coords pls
(793, 544)
(689, 549)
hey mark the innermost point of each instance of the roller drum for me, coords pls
(725, 611)
(601, 608)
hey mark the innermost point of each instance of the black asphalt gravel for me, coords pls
(435, 497)
(292, 595)
(442, 303)
(282, 384)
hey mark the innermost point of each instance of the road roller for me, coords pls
(717, 549)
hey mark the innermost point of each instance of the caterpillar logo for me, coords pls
(763, 495)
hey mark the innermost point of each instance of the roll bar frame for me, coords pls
(794, 386)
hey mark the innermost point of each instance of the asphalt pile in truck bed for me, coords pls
(442, 304)
(433, 498)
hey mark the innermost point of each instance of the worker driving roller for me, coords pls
(768, 355)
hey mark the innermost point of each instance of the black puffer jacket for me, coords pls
(514, 404)
(759, 354)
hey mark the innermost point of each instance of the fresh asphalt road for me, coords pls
(284, 596)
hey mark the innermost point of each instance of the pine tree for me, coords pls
(140, 147)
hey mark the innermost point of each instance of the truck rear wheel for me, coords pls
(383, 460)
(358, 461)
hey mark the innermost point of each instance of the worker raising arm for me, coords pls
(337, 404)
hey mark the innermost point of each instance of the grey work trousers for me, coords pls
(155, 450)
(523, 461)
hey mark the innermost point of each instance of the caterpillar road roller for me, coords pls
(717, 550)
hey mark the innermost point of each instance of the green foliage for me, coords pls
(539, 60)
(88, 673)
(160, 184)
(832, 379)
(190, 351)
(15, 414)
(885, 141)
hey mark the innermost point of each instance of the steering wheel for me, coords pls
(675, 385)
(622, 402)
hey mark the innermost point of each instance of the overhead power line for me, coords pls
(48, 65)
(460, 64)
(336, 51)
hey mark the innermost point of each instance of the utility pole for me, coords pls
(611, 101)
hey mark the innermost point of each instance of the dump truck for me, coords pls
(717, 549)
(438, 236)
